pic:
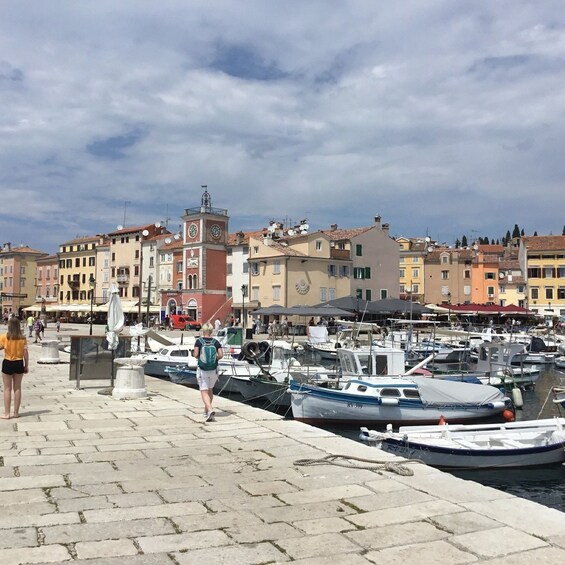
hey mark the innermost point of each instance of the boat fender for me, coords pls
(389, 401)
(517, 398)
(508, 415)
(441, 421)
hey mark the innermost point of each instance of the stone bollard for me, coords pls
(130, 378)
(49, 352)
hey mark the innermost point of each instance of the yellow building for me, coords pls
(542, 259)
(412, 267)
(296, 269)
(77, 270)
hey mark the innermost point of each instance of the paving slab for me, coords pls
(87, 478)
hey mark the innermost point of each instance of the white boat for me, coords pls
(397, 400)
(560, 362)
(175, 355)
(513, 444)
(494, 364)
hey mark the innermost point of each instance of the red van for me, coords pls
(184, 322)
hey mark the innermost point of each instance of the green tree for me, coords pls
(522, 233)
(465, 244)
(516, 232)
(508, 237)
(563, 232)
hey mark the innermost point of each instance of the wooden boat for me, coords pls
(397, 400)
(513, 444)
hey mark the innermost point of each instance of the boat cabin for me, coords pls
(372, 361)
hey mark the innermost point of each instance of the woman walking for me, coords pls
(15, 364)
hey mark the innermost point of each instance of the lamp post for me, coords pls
(144, 233)
(92, 284)
(449, 308)
(243, 295)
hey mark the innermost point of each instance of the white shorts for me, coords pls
(206, 379)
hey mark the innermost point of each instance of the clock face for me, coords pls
(216, 231)
(302, 287)
(193, 230)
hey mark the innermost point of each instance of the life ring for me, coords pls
(250, 349)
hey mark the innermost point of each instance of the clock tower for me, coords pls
(205, 236)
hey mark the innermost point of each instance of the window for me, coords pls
(245, 249)
(561, 293)
(254, 268)
(318, 245)
(359, 250)
(415, 273)
(230, 251)
(490, 291)
(549, 293)
(415, 288)
(331, 293)
(358, 293)
(277, 267)
(77, 261)
(358, 272)
(561, 271)
(136, 270)
(255, 293)
(84, 261)
(384, 293)
(490, 276)
(401, 260)
(368, 294)
(402, 288)
(323, 294)
(229, 269)
(332, 270)
(445, 275)
(137, 253)
(344, 270)
(367, 272)
(467, 290)
(444, 259)
(152, 262)
(501, 289)
(534, 273)
(255, 249)
(113, 257)
(414, 259)
(92, 261)
(179, 266)
(534, 293)
(548, 272)
(22, 282)
(245, 267)
(467, 274)
(229, 292)
(402, 273)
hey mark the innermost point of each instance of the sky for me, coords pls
(445, 118)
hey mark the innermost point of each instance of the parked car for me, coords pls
(184, 322)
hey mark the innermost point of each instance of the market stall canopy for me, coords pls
(350, 303)
(488, 309)
(325, 310)
(395, 305)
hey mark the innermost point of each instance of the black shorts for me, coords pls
(13, 367)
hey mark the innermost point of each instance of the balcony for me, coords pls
(74, 283)
(122, 279)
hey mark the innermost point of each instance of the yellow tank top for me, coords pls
(13, 348)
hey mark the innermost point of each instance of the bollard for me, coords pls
(49, 352)
(130, 378)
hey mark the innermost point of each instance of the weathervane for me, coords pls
(206, 201)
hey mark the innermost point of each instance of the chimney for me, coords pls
(385, 228)
(239, 237)
(333, 227)
(377, 220)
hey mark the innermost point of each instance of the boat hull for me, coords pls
(318, 406)
(476, 459)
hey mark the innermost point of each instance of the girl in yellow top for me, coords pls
(15, 364)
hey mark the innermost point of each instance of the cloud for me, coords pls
(436, 115)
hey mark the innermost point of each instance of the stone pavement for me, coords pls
(86, 478)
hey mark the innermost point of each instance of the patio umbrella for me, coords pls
(351, 303)
(116, 322)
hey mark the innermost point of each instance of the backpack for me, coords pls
(208, 354)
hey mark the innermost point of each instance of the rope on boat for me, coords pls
(375, 465)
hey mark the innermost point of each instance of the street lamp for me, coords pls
(144, 233)
(449, 308)
(92, 284)
(243, 295)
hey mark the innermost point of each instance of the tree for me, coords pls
(465, 244)
(535, 234)
(516, 232)
(563, 232)
(457, 243)
(508, 237)
(522, 233)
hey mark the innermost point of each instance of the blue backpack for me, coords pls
(208, 354)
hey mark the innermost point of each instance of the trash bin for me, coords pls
(248, 333)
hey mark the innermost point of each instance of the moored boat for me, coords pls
(513, 444)
(397, 400)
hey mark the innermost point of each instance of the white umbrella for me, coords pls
(116, 322)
